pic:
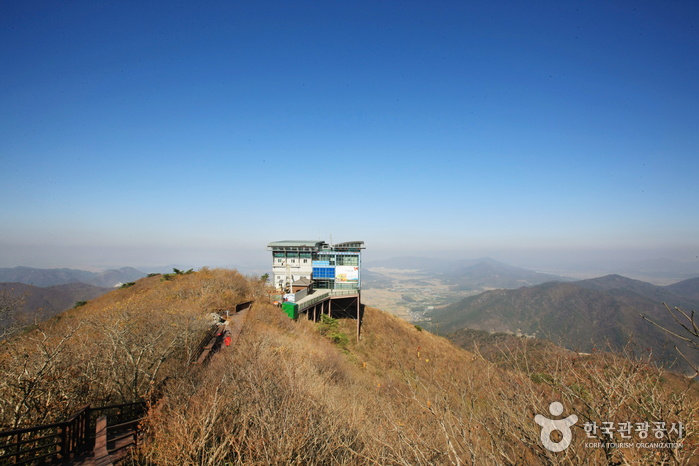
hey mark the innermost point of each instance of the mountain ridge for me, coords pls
(49, 277)
(45, 302)
(494, 274)
(686, 288)
(578, 315)
(663, 294)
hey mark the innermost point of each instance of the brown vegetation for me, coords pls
(295, 392)
(10, 305)
(113, 349)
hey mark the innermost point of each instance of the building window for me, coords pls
(305, 261)
(348, 260)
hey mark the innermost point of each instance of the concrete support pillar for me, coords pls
(359, 318)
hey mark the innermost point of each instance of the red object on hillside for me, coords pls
(227, 341)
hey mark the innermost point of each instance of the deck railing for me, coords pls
(63, 440)
(323, 296)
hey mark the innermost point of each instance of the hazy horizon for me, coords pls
(549, 136)
(574, 265)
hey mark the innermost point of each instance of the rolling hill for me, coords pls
(44, 302)
(578, 317)
(493, 274)
(111, 278)
(44, 277)
(50, 277)
(298, 392)
(688, 289)
(462, 275)
(663, 294)
(659, 269)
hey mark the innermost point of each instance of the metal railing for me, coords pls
(313, 301)
(324, 296)
(240, 307)
(351, 292)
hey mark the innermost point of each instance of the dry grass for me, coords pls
(288, 393)
(113, 349)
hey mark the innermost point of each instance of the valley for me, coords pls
(408, 294)
(413, 287)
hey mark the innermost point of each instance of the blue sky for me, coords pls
(170, 132)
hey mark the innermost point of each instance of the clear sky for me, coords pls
(137, 133)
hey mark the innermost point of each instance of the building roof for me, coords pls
(314, 244)
(302, 282)
(295, 243)
(350, 244)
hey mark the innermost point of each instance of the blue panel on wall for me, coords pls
(323, 272)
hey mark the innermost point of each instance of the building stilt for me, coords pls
(359, 319)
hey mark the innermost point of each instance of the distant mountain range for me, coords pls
(655, 270)
(688, 288)
(42, 303)
(424, 264)
(659, 269)
(489, 273)
(462, 275)
(50, 277)
(580, 315)
(371, 279)
(663, 294)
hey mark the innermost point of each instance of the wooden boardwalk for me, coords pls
(235, 326)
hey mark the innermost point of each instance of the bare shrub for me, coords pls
(38, 377)
(447, 410)
(487, 417)
(259, 404)
(10, 305)
(113, 349)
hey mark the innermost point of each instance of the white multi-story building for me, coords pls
(327, 266)
(292, 261)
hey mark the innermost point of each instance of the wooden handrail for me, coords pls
(76, 433)
(72, 435)
(24, 430)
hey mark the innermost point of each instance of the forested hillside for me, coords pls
(113, 349)
(51, 277)
(581, 316)
(41, 303)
